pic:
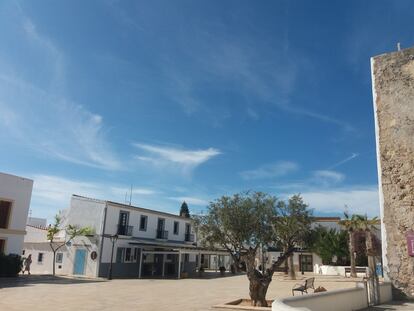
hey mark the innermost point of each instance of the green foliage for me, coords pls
(327, 243)
(293, 222)
(72, 231)
(184, 211)
(238, 223)
(10, 265)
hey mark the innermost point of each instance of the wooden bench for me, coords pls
(358, 270)
(303, 287)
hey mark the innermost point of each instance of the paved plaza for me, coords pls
(46, 293)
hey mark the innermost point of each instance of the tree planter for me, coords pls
(244, 304)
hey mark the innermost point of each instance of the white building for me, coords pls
(15, 196)
(148, 243)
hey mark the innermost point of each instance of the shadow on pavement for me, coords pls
(392, 306)
(29, 280)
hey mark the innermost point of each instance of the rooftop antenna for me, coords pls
(130, 196)
(398, 46)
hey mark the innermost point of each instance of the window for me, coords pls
(119, 254)
(2, 246)
(40, 258)
(128, 253)
(59, 257)
(186, 257)
(176, 227)
(136, 254)
(143, 223)
(5, 210)
(123, 223)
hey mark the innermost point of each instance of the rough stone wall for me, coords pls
(393, 91)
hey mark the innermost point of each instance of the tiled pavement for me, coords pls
(47, 293)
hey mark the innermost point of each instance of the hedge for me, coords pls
(10, 265)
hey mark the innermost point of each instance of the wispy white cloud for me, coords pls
(52, 193)
(270, 170)
(359, 199)
(183, 158)
(327, 177)
(191, 200)
(42, 117)
(347, 159)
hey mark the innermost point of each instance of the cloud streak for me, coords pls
(351, 157)
(270, 170)
(43, 117)
(167, 155)
(52, 193)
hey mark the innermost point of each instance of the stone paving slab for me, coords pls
(393, 306)
(37, 293)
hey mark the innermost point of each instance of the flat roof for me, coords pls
(15, 176)
(132, 207)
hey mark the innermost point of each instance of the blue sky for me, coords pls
(190, 100)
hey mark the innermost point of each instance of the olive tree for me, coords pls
(292, 225)
(241, 224)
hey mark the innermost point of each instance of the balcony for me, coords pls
(162, 235)
(189, 237)
(125, 230)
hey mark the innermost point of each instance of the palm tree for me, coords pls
(352, 225)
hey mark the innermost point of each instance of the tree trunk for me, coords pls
(373, 278)
(258, 288)
(352, 254)
(292, 273)
(286, 266)
(54, 261)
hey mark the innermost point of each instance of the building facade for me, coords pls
(140, 243)
(15, 196)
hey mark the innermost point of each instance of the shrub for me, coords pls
(10, 265)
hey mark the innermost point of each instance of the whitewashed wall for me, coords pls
(19, 191)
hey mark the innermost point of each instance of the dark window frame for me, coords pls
(40, 257)
(5, 222)
(176, 232)
(59, 257)
(140, 223)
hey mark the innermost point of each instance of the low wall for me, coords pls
(341, 300)
(333, 270)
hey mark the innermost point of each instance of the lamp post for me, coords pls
(113, 239)
(301, 261)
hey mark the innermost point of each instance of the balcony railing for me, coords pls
(162, 234)
(189, 237)
(125, 230)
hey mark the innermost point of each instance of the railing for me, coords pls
(162, 234)
(189, 237)
(125, 230)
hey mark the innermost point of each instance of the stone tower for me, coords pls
(393, 92)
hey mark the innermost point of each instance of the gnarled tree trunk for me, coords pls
(292, 273)
(259, 282)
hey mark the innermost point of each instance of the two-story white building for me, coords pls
(141, 242)
(15, 196)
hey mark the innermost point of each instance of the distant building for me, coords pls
(37, 222)
(148, 243)
(15, 196)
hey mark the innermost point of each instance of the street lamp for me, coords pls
(113, 239)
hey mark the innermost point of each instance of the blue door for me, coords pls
(79, 267)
